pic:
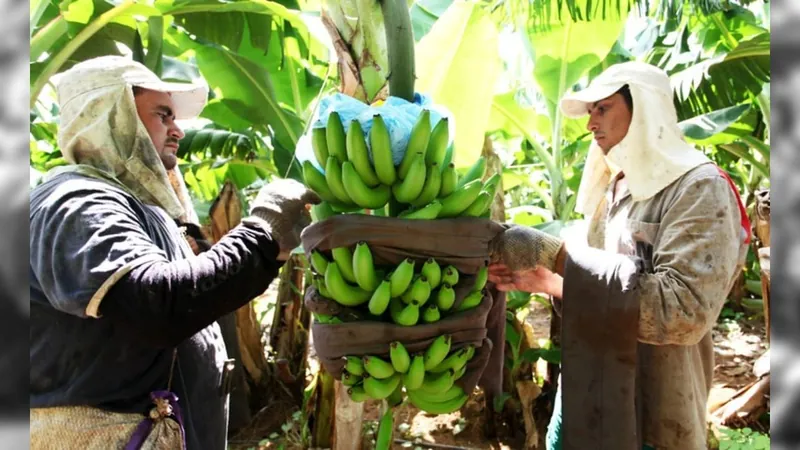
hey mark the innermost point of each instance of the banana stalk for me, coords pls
(400, 43)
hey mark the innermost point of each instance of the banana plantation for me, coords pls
(423, 126)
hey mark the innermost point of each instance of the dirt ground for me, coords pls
(737, 345)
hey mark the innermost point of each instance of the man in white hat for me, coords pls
(123, 314)
(667, 237)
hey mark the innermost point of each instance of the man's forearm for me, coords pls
(167, 302)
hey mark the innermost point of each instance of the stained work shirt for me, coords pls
(689, 245)
(85, 232)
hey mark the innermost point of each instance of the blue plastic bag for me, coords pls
(398, 115)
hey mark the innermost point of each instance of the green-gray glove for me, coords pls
(522, 248)
(282, 205)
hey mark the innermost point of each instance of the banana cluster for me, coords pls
(420, 187)
(427, 378)
(406, 294)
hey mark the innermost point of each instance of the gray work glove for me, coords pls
(521, 248)
(282, 205)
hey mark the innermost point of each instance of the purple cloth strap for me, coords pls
(143, 430)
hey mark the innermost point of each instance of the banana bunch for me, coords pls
(406, 294)
(421, 186)
(427, 377)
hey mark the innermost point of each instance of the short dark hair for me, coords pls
(625, 91)
(138, 90)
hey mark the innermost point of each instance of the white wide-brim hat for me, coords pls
(576, 104)
(188, 99)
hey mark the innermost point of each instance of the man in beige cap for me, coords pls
(667, 237)
(125, 349)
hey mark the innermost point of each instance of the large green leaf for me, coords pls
(565, 50)
(703, 129)
(725, 80)
(235, 77)
(516, 119)
(457, 65)
(424, 13)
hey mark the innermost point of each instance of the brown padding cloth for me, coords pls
(599, 341)
(463, 243)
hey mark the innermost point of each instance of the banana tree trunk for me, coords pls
(240, 329)
(494, 165)
(288, 336)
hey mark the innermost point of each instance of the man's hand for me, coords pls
(538, 280)
(282, 204)
(521, 248)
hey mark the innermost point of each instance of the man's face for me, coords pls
(155, 110)
(609, 120)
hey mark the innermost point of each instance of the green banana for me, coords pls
(335, 137)
(333, 175)
(377, 367)
(431, 314)
(432, 271)
(460, 372)
(382, 151)
(481, 278)
(349, 379)
(417, 142)
(449, 180)
(470, 352)
(401, 277)
(316, 181)
(437, 351)
(323, 318)
(421, 290)
(322, 210)
(437, 144)
(416, 373)
(455, 203)
(491, 184)
(320, 145)
(396, 398)
(472, 300)
(361, 194)
(318, 262)
(319, 283)
(405, 315)
(383, 440)
(342, 208)
(481, 204)
(430, 190)
(427, 212)
(380, 298)
(357, 393)
(399, 357)
(344, 259)
(450, 275)
(411, 186)
(453, 361)
(354, 365)
(420, 400)
(474, 173)
(406, 297)
(363, 267)
(379, 389)
(357, 153)
(445, 297)
(342, 292)
(454, 391)
(437, 383)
